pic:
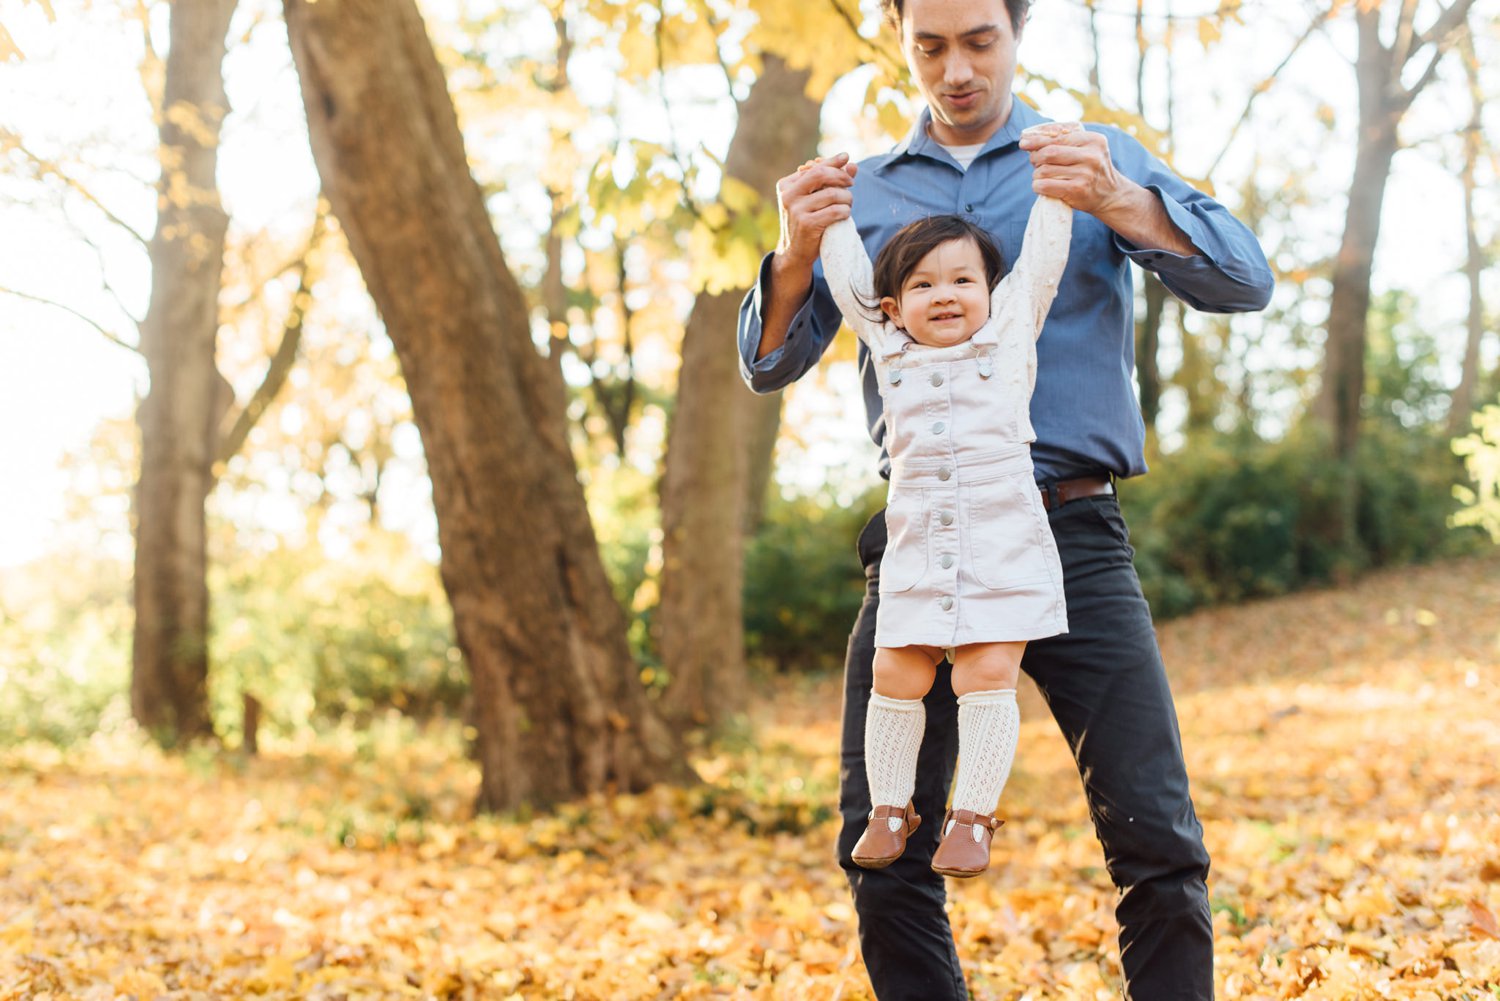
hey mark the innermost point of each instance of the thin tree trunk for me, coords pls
(706, 482)
(179, 418)
(1463, 396)
(763, 427)
(1383, 101)
(1147, 347)
(559, 708)
(1344, 359)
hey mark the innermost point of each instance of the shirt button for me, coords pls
(939, 428)
(947, 604)
(937, 378)
(946, 561)
(946, 518)
(945, 474)
(969, 207)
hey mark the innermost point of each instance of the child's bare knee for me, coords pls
(984, 667)
(904, 672)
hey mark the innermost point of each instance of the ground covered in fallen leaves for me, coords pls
(1344, 746)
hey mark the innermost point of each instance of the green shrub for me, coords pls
(316, 639)
(803, 582)
(1227, 519)
(64, 650)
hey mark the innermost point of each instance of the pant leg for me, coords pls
(904, 934)
(1105, 684)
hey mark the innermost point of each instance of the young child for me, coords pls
(970, 569)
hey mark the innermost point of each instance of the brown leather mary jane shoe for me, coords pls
(965, 849)
(885, 838)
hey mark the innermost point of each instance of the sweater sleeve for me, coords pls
(1044, 256)
(850, 277)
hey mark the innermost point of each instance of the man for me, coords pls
(1103, 680)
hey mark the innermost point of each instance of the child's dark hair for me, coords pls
(904, 251)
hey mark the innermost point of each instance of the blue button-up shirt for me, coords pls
(1084, 408)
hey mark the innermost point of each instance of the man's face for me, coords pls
(962, 54)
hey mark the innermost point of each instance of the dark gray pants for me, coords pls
(1107, 689)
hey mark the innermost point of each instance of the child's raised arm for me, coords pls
(850, 277)
(1044, 256)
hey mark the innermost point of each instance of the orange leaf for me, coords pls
(1482, 921)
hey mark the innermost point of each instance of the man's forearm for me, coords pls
(790, 285)
(1140, 218)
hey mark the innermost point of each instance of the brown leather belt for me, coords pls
(1058, 493)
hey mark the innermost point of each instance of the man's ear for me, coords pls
(892, 309)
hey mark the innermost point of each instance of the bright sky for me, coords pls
(79, 86)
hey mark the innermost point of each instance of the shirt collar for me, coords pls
(919, 141)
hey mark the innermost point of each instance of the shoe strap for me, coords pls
(968, 818)
(907, 813)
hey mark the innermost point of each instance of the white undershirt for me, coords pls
(964, 154)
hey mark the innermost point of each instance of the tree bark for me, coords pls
(705, 492)
(558, 704)
(1147, 349)
(179, 418)
(763, 429)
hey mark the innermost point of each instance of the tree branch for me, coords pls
(1441, 35)
(46, 168)
(1265, 85)
(1449, 21)
(113, 338)
(282, 360)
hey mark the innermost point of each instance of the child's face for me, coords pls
(946, 299)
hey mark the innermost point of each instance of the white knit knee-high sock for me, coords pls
(988, 725)
(893, 736)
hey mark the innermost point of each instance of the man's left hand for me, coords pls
(1073, 165)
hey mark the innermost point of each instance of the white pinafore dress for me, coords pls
(970, 556)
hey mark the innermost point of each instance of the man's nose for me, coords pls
(957, 70)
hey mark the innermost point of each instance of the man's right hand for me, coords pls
(809, 200)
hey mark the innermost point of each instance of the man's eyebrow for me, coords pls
(932, 36)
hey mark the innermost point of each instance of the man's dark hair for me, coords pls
(893, 9)
(904, 251)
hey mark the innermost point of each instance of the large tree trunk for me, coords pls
(179, 417)
(558, 703)
(1463, 396)
(705, 486)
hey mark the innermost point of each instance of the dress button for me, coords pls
(945, 474)
(939, 428)
(947, 604)
(937, 378)
(946, 518)
(946, 561)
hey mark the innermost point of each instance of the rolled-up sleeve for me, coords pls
(811, 331)
(1230, 274)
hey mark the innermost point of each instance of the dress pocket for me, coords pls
(1005, 522)
(905, 560)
